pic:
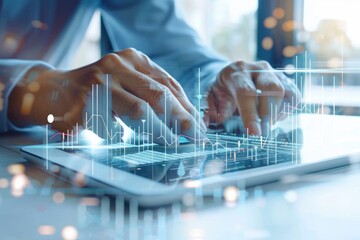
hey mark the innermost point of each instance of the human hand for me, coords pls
(43, 91)
(257, 92)
(141, 90)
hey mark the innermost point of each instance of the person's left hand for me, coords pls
(260, 94)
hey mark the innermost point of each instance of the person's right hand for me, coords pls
(141, 90)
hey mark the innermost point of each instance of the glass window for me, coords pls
(228, 26)
(89, 49)
(332, 39)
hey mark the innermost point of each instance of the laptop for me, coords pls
(152, 174)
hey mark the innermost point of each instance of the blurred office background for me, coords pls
(290, 34)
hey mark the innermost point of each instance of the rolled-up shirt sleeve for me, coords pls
(156, 28)
(11, 72)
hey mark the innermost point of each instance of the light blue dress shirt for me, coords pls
(48, 32)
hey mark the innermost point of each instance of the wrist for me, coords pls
(22, 98)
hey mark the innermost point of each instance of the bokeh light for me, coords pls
(80, 180)
(46, 230)
(69, 233)
(19, 182)
(270, 22)
(289, 51)
(267, 43)
(231, 194)
(50, 118)
(39, 24)
(27, 103)
(192, 183)
(289, 25)
(16, 169)
(290, 196)
(278, 13)
(34, 87)
(4, 183)
(10, 44)
(58, 197)
(89, 201)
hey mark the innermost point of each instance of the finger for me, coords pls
(186, 123)
(144, 65)
(165, 105)
(142, 86)
(85, 77)
(246, 99)
(158, 74)
(225, 106)
(292, 97)
(271, 93)
(180, 95)
(211, 111)
(135, 113)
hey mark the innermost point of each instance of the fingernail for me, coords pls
(199, 118)
(255, 129)
(265, 128)
(207, 123)
(203, 126)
